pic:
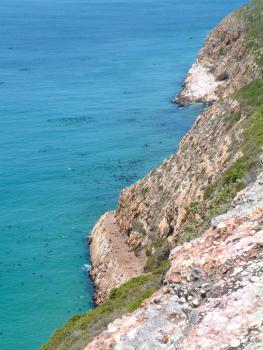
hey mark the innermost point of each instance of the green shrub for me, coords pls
(251, 105)
(138, 226)
(222, 51)
(82, 328)
(137, 302)
(144, 191)
(234, 118)
(161, 248)
(236, 172)
(252, 14)
(219, 195)
(209, 190)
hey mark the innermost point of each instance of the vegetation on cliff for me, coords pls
(217, 198)
(253, 15)
(82, 328)
(219, 195)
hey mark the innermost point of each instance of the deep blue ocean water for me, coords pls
(85, 89)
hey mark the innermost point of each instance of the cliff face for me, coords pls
(224, 64)
(111, 255)
(212, 295)
(203, 207)
(160, 206)
(211, 146)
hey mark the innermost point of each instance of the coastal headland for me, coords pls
(178, 264)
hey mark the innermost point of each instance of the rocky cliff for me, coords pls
(224, 64)
(111, 255)
(202, 208)
(160, 206)
(212, 295)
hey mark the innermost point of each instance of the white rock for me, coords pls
(221, 225)
(234, 324)
(200, 83)
(112, 328)
(132, 333)
(235, 343)
(254, 279)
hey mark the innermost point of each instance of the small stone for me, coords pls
(131, 321)
(165, 339)
(234, 324)
(207, 344)
(196, 302)
(156, 300)
(221, 320)
(254, 279)
(238, 270)
(206, 286)
(195, 275)
(189, 278)
(112, 328)
(203, 293)
(166, 290)
(132, 333)
(256, 321)
(221, 225)
(234, 343)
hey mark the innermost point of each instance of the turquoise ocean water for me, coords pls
(85, 89)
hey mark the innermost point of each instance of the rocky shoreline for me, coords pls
(182, 254)
(157, 206)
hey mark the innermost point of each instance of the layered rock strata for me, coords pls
(212, 296)
(156, 206)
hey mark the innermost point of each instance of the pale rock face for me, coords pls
(164, 227)
(200, 85)
(213, 292)
(223, 65)
(111, 257)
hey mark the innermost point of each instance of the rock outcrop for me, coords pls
(212, 296)
(203, 207)
(224, 64)
(111, 257)
(157, 206)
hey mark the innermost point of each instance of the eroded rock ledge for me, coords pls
(212, 297)
(111, 257)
